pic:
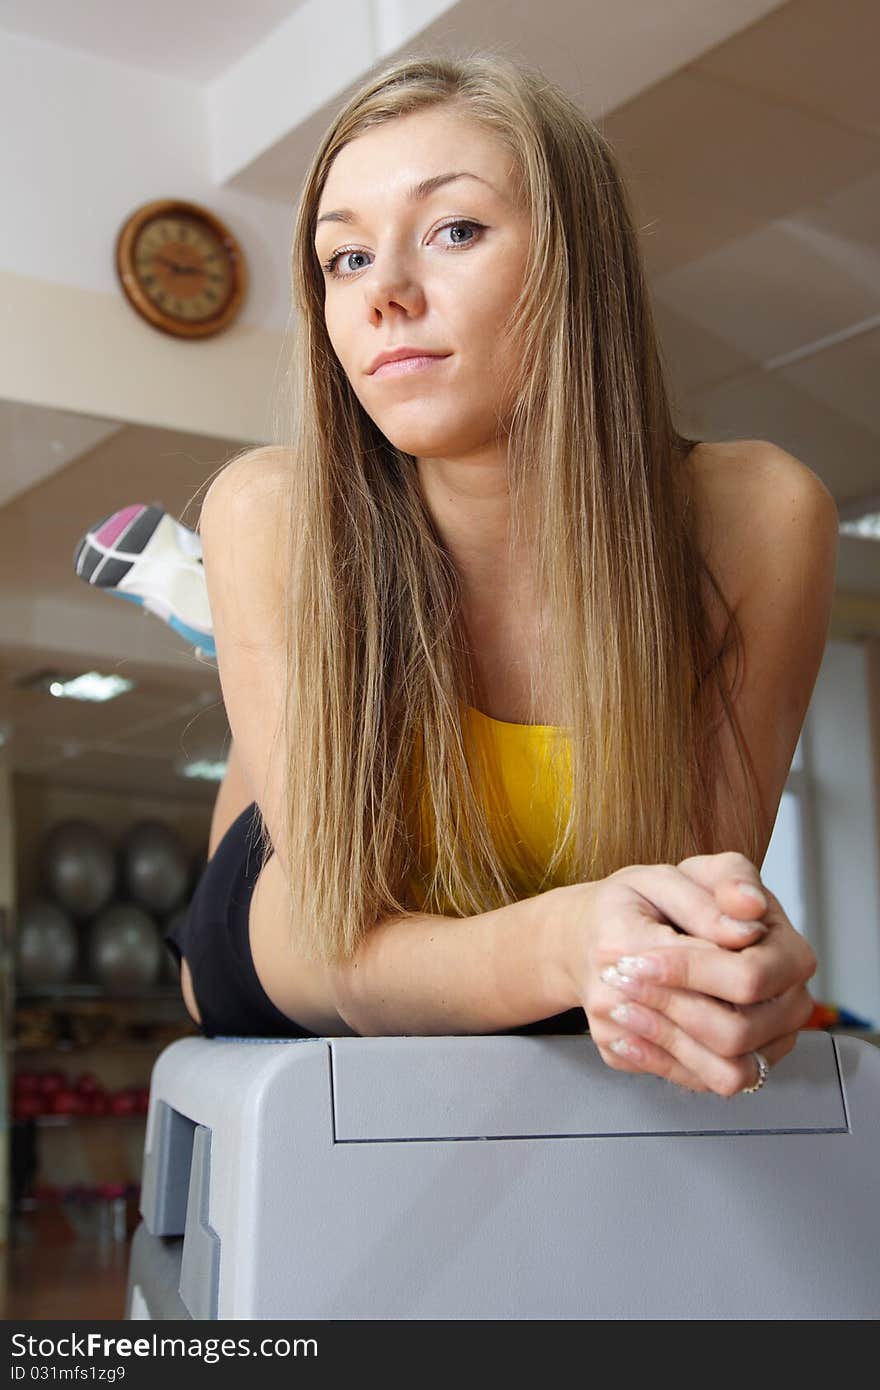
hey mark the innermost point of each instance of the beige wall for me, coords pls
(81, 350)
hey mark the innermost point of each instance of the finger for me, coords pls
(687, 905)
(726, 1029)
(725, 1076)
(768, 968)
(641, 1057)
(734, 880)
(653, 1030)
(737, 900)
(774, 1052)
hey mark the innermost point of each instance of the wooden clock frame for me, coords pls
(129, 278)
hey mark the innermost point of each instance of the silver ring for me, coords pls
(763, 1072)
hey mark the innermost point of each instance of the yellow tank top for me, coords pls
(523, 792)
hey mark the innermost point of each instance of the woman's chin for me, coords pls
(420, 444)
(438, 440)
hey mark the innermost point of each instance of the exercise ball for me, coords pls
(155, 872)
(79, 868)
(124, 948)
(47, 944)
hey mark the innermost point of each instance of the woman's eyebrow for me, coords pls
(416, 194)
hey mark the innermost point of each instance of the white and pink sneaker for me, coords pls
(143, 554)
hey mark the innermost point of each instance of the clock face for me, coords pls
(183, 267)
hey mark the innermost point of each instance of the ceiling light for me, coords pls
(204, 769)
(90, 685)
(867, 526)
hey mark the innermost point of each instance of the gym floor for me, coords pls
(48, 1270)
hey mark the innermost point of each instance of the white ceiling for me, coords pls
(755, 176)
(195, 42)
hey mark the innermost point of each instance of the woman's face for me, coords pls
(439, 273)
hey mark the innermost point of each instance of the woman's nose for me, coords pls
(393, 282)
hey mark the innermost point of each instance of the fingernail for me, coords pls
(638, 965)
(749, 891)
(742, 928)
(613, 977)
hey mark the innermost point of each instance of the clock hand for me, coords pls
(178, 269)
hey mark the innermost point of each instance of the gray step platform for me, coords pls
(498, 1176)
(154, 1277)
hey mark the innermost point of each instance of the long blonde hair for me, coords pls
(378, 656)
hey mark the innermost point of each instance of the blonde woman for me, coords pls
(514, 671)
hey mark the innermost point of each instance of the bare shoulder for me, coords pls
(752, 497)
(248, 545)
(245, 524)
(260, 472)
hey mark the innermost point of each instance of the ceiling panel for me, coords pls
(185, 41)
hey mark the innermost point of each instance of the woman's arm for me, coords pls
(246, 555)
(787, 525)
(232, 798)
(483, 974)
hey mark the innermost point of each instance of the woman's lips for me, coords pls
(405, 365)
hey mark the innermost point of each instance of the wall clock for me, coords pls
(181, 268)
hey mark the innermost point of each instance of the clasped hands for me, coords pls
(695, 1006)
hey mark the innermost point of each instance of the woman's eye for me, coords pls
(344, 254)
